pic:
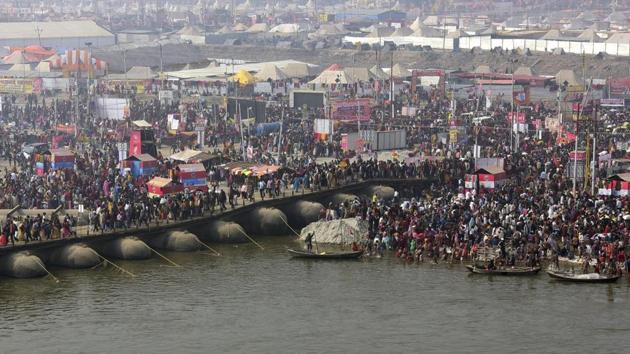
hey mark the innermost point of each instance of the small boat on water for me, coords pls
(325, 255)
(510, 271)
(583, 278)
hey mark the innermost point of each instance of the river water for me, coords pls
(253, 301)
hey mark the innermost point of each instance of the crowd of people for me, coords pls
(534, 216)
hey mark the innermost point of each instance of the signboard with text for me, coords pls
(359, 109)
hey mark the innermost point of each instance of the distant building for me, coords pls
(58, 35)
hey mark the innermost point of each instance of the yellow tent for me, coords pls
(243, 77)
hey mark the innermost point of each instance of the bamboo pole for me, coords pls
(251, 239)
(292, 229)
(208, 247)
(46, 270)
(112, 263)
(162, 256)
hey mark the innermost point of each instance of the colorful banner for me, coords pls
(359, 109)
(612, 102)
(19, 86)
(519, 117)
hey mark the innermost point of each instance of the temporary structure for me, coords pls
(270, 72)
(360, 74)
(524, 70)
(400, 72)
(287, 28)
(333, 75)
(258, 28)
(243, 77)
(378, 73)
(416, 25)
(402, 32)
(297, 70)
(568, 76)
(483, 69)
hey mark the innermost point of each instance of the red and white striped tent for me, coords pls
(79, 59)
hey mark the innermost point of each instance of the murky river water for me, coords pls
(252, 301)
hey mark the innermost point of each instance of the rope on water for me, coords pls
(46, 270)
(162, 256)
(107, 261)
(208, 247)
(251, 239)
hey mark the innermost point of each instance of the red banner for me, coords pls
(619, 87)
(135, 143)
(518, 117)
(359, 109)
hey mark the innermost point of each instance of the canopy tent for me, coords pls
(286, 28)
(379, 73)
(43, 67)
(416, 25)
(332, 77)
(270, 72)
(243, 77)
(330, 30)
(190, 156)
(17, 57)
(298, 70)
(483, 69)
(135, 73)
(239, 28)
(258, 28)
(568, 76)
(399, 72)
(524, 70)
(360, 74)
(20, 68)
(402, 32)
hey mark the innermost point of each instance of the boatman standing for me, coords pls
(309, 242)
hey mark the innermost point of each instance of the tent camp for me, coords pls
(399, 72)
(135, 73)
(483, 69)
(333, 75)
(270, 72)
(298, 70)
(524, 70)
(360, 74)
(378, 73)
(568, 76)
(243, 77)
(258, 28)
(286, 28)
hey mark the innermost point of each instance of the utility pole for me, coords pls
(391, 85)
(89, 69)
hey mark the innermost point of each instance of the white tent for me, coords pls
(20, 67)
(568, 76)
(379, 73)
(258, 28)
(524, 70)
(286, 28)
(331, 77)
(298, 70)
(416, 25)
(483, 69)
(400, 72)
(270, 71)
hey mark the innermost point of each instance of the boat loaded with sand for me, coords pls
(509, 271)
(582, 278)
(325, 255)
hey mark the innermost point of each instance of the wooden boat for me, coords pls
(325, 255)
(583, 278)
(511, 271)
